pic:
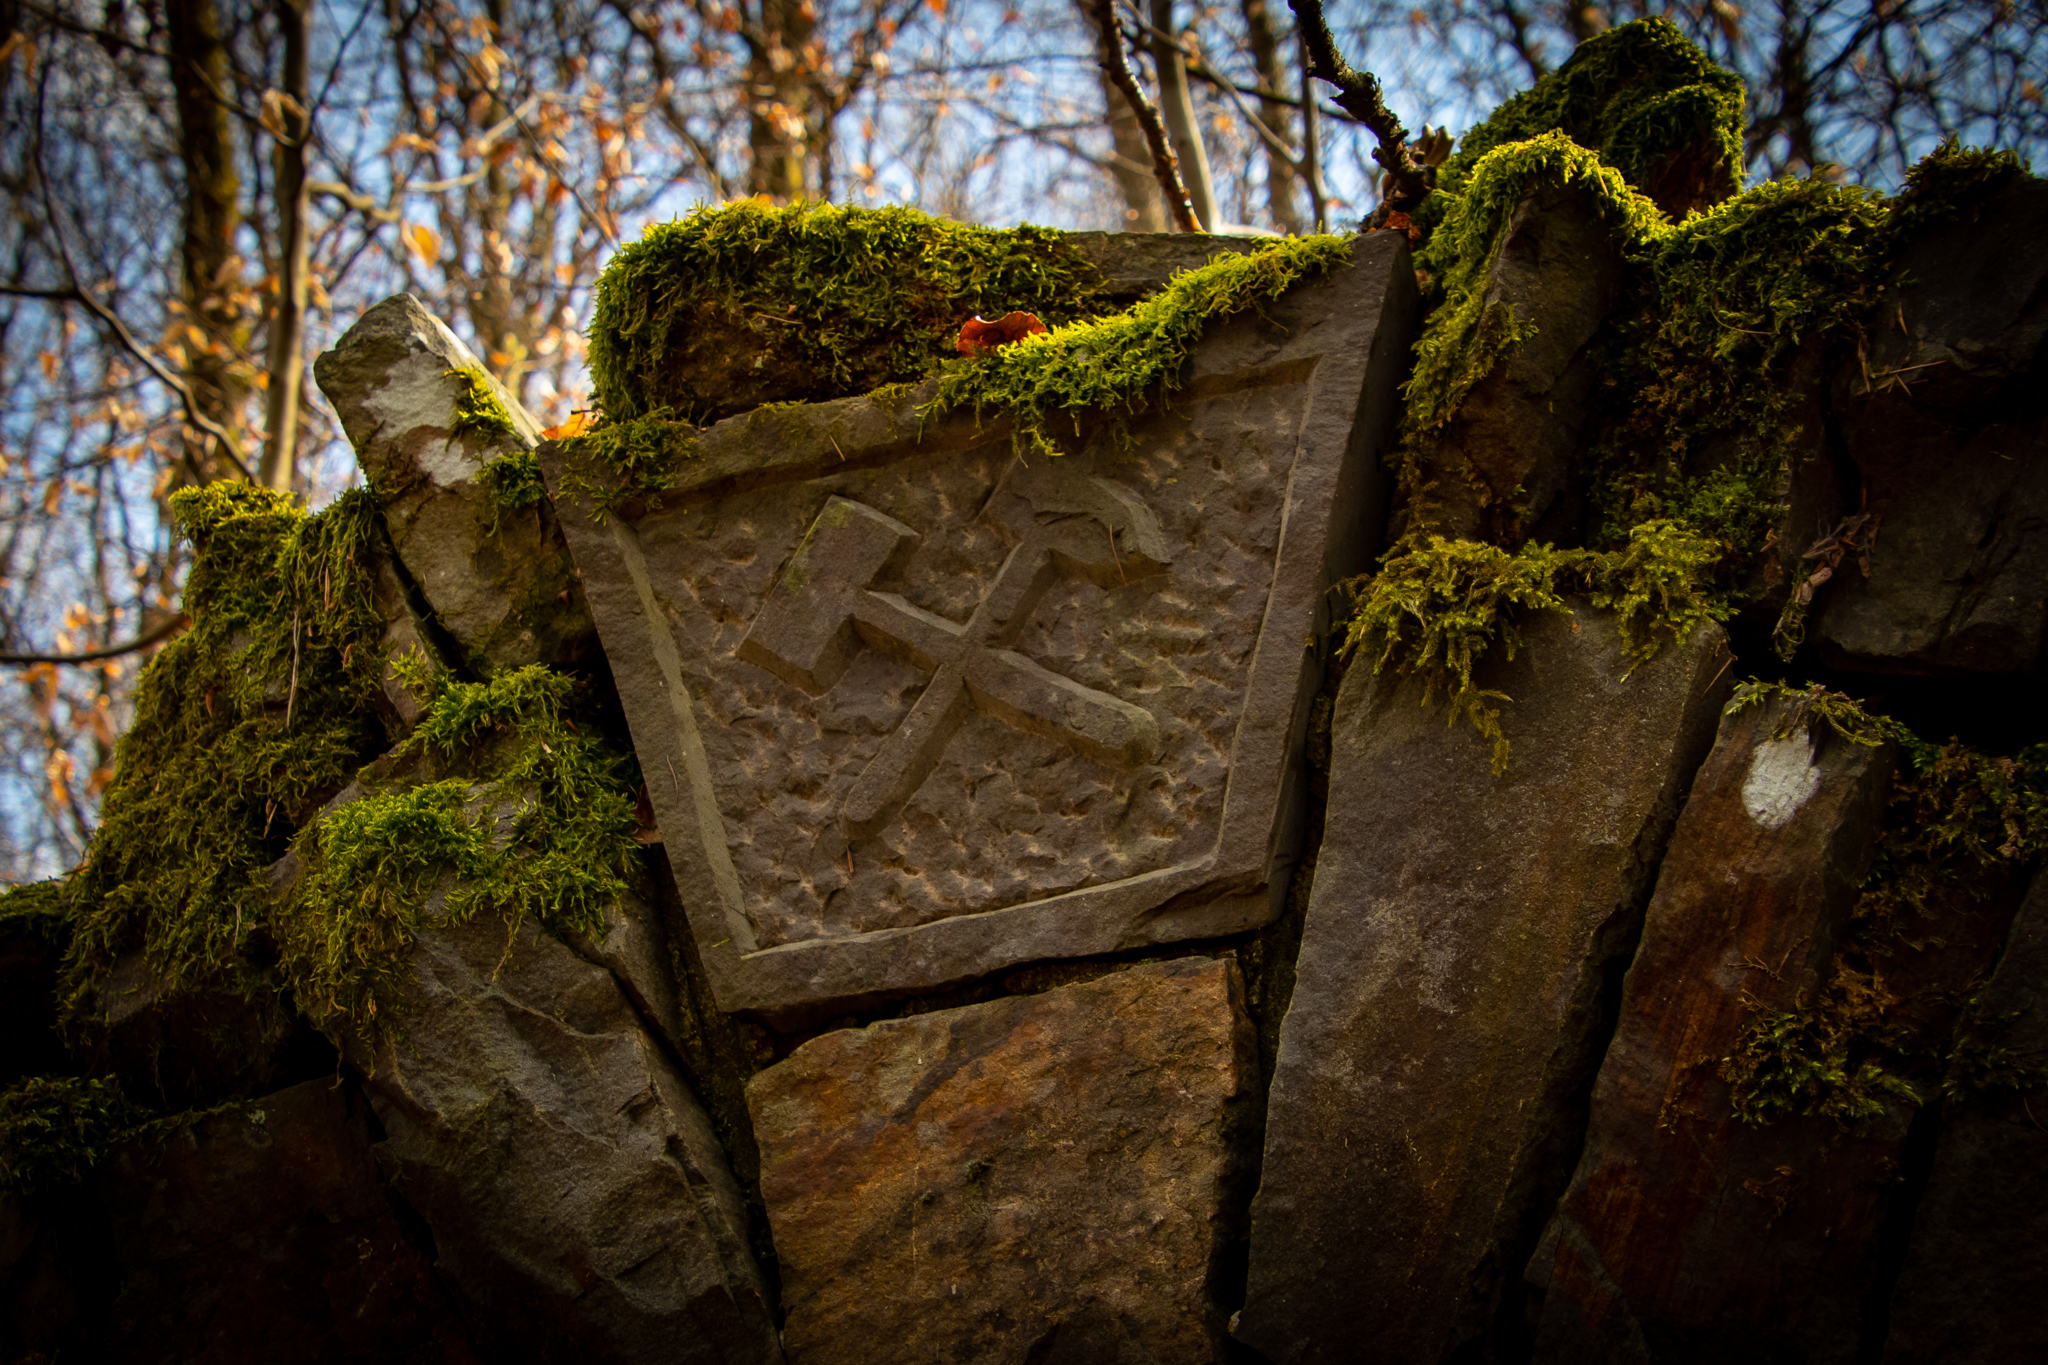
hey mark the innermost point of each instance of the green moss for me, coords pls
(1467, 334)
(1962, 828)
(243, 726)
(1730, 299)
(55, 1129)
(627, 462)
(1437, 608)
(478, 413)
(513, 481)
(39, 909)
(1947, 183)
(536, 823)
(1641, 96)
(850, 297)
(1807, 709)
(1119, 363)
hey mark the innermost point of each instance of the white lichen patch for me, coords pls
(1782, 777)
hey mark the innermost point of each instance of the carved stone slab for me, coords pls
(912, 708)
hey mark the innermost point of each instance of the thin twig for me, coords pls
(193, 415)
(143, 641)
(1165, 168)
(1359, 95)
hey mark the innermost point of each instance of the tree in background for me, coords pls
(202, 193)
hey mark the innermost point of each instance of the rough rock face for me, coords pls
(1950, 433)
(914, 710)
(1970, 1290)
(1506, 456)
(263, 1233)
(1039, 1178)
(1448, 1001)
(579, 1201)
(498, 596)
(1688, 1235)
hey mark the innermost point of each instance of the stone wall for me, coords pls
(1051, 946)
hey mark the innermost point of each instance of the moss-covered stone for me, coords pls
(732, 307)
(243, 726)
(1650, 103)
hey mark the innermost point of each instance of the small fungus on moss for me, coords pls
(841, 299)
(1116, 364)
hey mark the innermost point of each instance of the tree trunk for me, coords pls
(288, 319)
(208, 266)
(1280, 177)
(1177, 107)
(780, 99)
(1131, 168)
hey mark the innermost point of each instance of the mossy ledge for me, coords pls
(1116, 365)
(716, 312)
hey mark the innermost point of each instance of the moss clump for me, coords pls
(243, 726)
(1963, 830)
(538, 826)
(513, 481)
(1469, 331)
(832, 301)
(55, 1129)
(1646, 100)
(1439, 607)
(478, 413)
(1705, 381)
(1947, 183)
(39, 909)
(627, 462)
(1119, 363)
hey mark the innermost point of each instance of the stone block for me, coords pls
(1687, 1234)
(1506, 456)
(914, 708)
(497, 581)
(580, 1203)
(1034, 1179)
(1946, 423)
(263, 1233)
(1970, 1290)
(1453, 986)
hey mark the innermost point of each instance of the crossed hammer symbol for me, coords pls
(822, 611)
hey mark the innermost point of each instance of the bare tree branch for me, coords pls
(113, 323)
(90, 656)
(1359, 96)
(1164, 166)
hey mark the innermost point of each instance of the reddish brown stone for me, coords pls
(1688, 1234)
(1038, 1178)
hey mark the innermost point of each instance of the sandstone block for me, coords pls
(579, 1200)
(1688, 1235)
(1970, 1290)
(1448, 999)
(915, 708)
(1038, 1178)
(498, 594)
